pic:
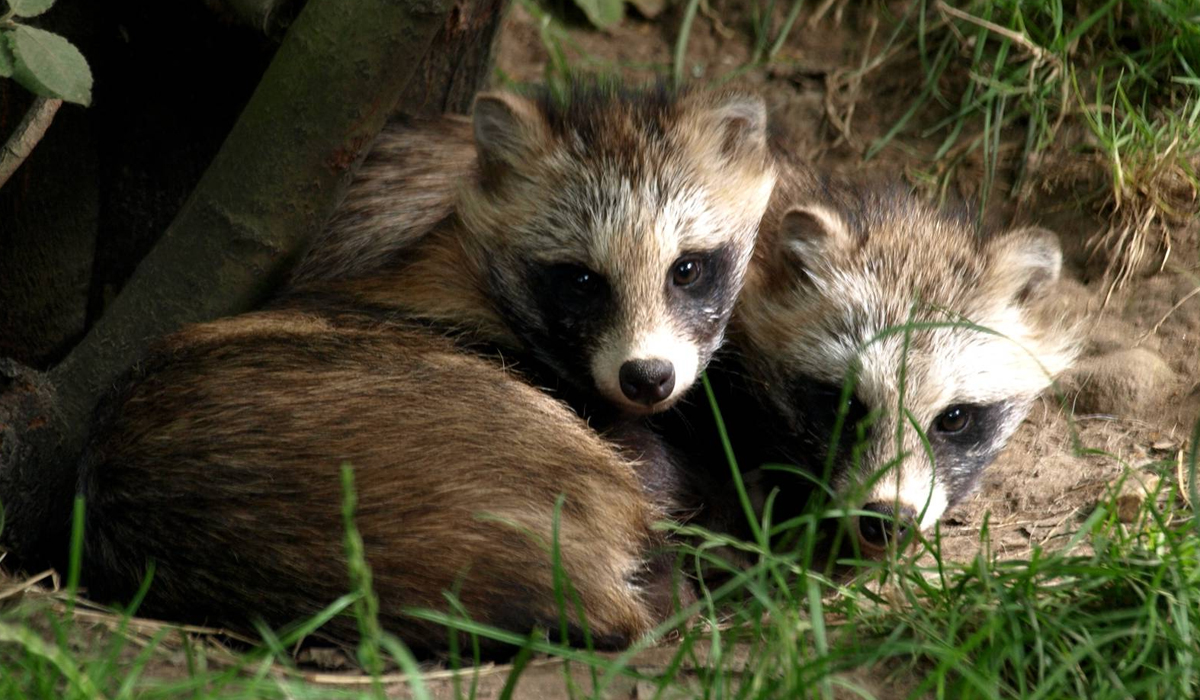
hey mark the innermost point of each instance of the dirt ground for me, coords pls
(1135, 393)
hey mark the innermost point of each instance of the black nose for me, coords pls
(876, 530)
(647, 381)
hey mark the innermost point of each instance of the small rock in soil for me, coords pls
(1134, 492)
(324, 658)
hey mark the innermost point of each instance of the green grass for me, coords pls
(1112, 613)
(1002, 81)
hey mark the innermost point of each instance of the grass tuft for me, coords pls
(1123, 70)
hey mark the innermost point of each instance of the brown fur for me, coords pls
(221, 464)
(902, 250)
(387, 207)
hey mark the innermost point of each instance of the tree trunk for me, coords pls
(460, 62)
(155, 144)
(276, 179)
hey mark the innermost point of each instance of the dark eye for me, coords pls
(953, 420)
(577, 280)
(686, 271)
(830, 395)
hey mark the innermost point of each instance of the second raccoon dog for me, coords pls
(603, 236)
(838, 274)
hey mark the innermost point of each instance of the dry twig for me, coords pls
(1016, 37)
(19, 588)
(1167, 315)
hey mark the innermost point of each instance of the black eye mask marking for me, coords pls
(700, 290)
(571, 287)
(824, 401)
(965, 438)
(558, 311)
(815, 407)
(966, 426)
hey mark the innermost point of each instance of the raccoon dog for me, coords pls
(600, 242)
(911, 328)
(836, 266)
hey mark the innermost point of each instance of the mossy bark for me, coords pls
(278, 176)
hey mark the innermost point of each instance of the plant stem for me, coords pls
(786, 29)
(685, 31)
(27, 134)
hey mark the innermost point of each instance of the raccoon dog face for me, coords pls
(912, 330)
(616, 229)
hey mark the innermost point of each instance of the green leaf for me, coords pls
(603, 13)
(49, 65)
(6, 57)
(29, 8)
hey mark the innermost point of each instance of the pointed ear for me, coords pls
(1027, 262)
(810, 234)
(507, 128)
(741, 119)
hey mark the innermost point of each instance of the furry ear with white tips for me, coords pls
(811, 234)
(1028, 261)
(742, 120)
(507, 128)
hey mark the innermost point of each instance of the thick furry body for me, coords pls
(231, 434)
(220, 462)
